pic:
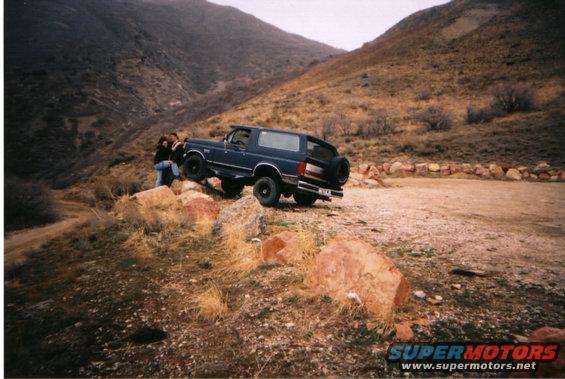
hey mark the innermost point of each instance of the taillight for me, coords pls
(301, 168)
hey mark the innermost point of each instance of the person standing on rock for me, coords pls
(163, 161)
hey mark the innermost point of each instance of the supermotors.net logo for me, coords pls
(472, 356)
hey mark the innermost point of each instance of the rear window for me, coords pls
(282, 141)
(320, 152)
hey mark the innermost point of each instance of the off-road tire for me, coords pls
(195, 168)
(304, 199)
(339, 170)
(231, 188)
(267, 191)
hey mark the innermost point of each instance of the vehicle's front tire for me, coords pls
(304, 199)
(267, 191)
(231, 188)
(195, 168)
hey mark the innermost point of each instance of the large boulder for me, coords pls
(348, 265)
(189, 185)
(283, 248)
(246, 214)
(496, 171)
(513, 174)
(187, 196)
(201, 208)
(156, 197)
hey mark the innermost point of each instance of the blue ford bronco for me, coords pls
(275, 162)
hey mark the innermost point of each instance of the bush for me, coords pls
(424, 94)
(479, 115)
(435, 119)
(335, 124)
(110, 187)
(375, 125)
(510, 98)
(27, 204)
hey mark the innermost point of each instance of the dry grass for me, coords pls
(211, 304)
(240, 257)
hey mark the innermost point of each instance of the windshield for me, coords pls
(317, 151)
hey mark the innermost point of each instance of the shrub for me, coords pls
(511, 98)
(335, 124)
(27, 204)
(479, 115)
(435, 119)
(424, 94)
(375, 125)
(111, 187)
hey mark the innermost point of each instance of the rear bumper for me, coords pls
(323, 193)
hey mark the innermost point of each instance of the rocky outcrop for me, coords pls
(202, 208)
(155, 197)
(187, 196)
(246, 214)
(348, 265)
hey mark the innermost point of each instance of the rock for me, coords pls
(364, 169)
(404, 331)
(155, 197)
(283, 248)
(348, 264)
(561, 175)
(214, 183)
(201, 208)
(421, 169)
(373, 173)
(433, 167)
(372, 183)
(445, 170)
(542, 167)
(436, 300)
(396, 167)
(456, 286)
(544, 176)
(533, 177)
(496, 171)
(525, 175)
(481, 171)
(466, 168)
(420, 294)
(187, 196)
(549, 334)
(554, 178)
(523, 169)
(513, 174)
(386, 167)
(505, 166)
(246, 214)
(189, 185)
(455, 168)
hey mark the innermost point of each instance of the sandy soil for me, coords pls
(515, 229)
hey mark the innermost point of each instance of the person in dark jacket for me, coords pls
(163, 161)
(177, 149)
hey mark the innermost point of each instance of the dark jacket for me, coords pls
(162, 154)
(177, 154)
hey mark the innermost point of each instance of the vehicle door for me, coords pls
(235, 150)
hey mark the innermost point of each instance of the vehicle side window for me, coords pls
(319, 152)
(282, 141)
(240, 137)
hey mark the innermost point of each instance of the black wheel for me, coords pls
(195, 168)
(339, 170)
(231, 188)
(267, 191)
(304, 199)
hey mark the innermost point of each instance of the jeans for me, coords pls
(163, 165)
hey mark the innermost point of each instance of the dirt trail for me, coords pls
(17, 244)
(514, 228)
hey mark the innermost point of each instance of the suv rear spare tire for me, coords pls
(339, 170)
(267, 191)
(195, 168)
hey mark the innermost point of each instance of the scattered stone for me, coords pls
(364, 169)
(246, 214)
(455, 168)
(386, 167)
(433, 167)
(348, 264)
(421, 169)
(404, 331)
(420, 294)
(456, 286)
(354, 297)
(542, 167)
(496, 171)
(155, 196)
(289, 325)
(544, 176)
(523, 169)
(283, 248)
(466, 168)
(480, 170)
(396, 167)
(445, 170)
(513, 174)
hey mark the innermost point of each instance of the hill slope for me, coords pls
(448, 56)
(79, 74)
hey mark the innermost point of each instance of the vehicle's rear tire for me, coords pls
(304, 199)
(195, 168)
(267, 191)
(231, 188)
(339, 170)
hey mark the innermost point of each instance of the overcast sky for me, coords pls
(346, 24)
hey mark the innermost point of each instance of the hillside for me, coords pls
(81, 75)
(451, 56)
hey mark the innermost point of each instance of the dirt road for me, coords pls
(516, 229)
(17, 244)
